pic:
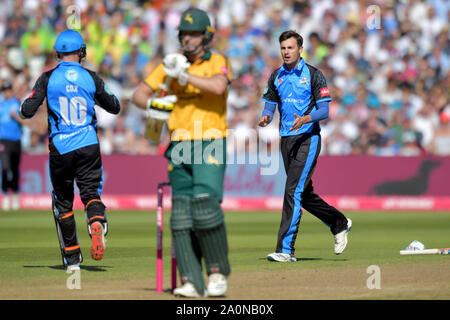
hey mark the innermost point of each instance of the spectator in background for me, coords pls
(240, 47)
(439, 61)
(115, 37)
(425, 122)
(35, 42)
(135, 60)
(14, 32)
(317, 49)
(441, 144)
(411, 140)
(107, 121)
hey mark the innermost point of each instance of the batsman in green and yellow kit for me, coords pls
(195, 109)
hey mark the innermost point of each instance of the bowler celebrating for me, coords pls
(301, 93)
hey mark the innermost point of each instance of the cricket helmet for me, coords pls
(196, 20)
(70, 41)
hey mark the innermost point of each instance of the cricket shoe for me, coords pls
(217, 285)
(6, 204)
(340, 239)
(281, 257)
(98, 240)
(72, 262)
(15, 204)
(187, 291)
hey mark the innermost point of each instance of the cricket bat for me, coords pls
(426, 251)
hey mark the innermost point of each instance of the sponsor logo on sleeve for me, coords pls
(324, 92)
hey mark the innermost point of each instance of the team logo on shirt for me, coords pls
(280, 81)
(304, 80)
(324, 92)
(71, 75)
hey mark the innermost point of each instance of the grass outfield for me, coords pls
(30, 258)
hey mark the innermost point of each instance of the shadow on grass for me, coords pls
(167, 290)
(309, 259)
(313, 259)
(82, 267)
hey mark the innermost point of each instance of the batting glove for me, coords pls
(175, 65)
(160, 108)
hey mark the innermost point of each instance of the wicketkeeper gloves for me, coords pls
(175, 65)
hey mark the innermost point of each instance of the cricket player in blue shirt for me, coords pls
(10, 147)
(72, 92)
(300, 91)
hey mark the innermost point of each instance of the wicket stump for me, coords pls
(159, 246)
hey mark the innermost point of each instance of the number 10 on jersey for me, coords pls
(73, 111)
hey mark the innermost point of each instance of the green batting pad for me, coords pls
(181, 218)
(214, 246)
(206, 212)
(188, 261)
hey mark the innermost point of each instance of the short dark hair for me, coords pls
(291, 34)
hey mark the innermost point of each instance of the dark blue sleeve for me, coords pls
(269, 109)
(322, 111)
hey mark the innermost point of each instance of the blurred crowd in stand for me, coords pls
(386, 63)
